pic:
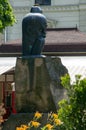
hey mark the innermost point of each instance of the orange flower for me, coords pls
(35, 124)
(58, 122)
(55, 116)
(19, 128)
(49, 126)
(22, 127)
(38, 115)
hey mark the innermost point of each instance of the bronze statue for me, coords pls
(33, 32)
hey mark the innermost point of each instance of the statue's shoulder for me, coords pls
(35, 16)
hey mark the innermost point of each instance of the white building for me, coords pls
(59, 13)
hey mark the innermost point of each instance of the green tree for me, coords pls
(7, 17)
(72, 110)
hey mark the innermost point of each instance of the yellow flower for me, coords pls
(58, 122)
(38, 115)
(22, 127)
(35, 124)
(55, 116)
(53, 120)
(49, 126)
(19, 128)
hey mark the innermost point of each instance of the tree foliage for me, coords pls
(72, 110)
(7, 16)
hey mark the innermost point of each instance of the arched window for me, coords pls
(43, 2)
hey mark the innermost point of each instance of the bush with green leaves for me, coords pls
(7, 16)
(72, 111)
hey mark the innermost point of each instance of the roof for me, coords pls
(65, 40)
(57, 41)
(6, 69)
(65, 37)
(76, 65)
(6, 65)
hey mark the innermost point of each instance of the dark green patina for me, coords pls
(33, 32)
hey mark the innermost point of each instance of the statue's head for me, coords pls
(36, 9)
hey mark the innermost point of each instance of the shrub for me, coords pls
(7, 16)
(72, 111)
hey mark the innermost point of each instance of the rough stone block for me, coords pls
(36, 79)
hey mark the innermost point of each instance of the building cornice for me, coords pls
(52, 8)
(46, 53)
(21, 9)
(61, 8)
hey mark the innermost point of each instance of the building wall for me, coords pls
(61, 14)
(0, 38)
(20, 3)
(82, 1)
(64, 2)
(82, 18)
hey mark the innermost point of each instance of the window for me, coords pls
(43, 2)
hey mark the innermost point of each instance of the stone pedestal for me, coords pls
(34, 79)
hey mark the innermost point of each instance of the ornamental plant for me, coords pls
(2, 112)
(52, 122)
(72, 110)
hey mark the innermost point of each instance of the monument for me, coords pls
(33, 32)
(33, 90)
(36, 76)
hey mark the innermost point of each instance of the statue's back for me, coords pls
(33, 28)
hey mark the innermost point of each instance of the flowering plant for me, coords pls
(2, 112)
(52, 122)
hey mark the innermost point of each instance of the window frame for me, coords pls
(43, 2)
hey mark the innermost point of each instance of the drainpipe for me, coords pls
(5, 36)
(13, 98)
